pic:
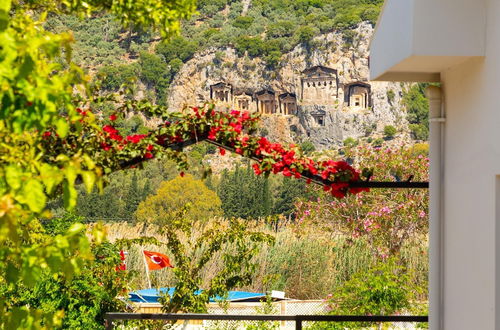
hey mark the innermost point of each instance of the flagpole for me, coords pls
(147, 268)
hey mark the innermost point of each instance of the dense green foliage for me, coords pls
(381, 290)
(41, 97)
(417, 108)
(175, 195)
(84, 297)
(248, 196)
(244, 195)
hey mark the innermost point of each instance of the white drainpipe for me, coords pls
(436, 212)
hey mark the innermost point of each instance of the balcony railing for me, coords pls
(297, 319)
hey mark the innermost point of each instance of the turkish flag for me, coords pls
(156, 260)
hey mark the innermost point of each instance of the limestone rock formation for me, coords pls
(321, 93)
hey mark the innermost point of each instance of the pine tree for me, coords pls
(132, 199)
(244, 195)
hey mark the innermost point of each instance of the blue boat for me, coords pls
(152, 295)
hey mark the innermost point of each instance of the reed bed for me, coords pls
(306, 266)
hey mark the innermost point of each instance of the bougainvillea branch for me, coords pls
(229, 130)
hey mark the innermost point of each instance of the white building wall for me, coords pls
(472, 164)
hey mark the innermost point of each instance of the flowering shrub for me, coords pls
(386, 217)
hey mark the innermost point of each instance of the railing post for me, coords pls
(108, 324)
(298, 322)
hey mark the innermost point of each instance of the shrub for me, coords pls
(253, 46)
(382, 290)
(305, 34)
(243, 22)
(390, 95)
(307, 147)
(390, 131)
(420, 149)
(178, 47)
(378, 142)
(113, 76)
(153, 68)
(350, 142)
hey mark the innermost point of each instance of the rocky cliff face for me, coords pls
(326, 124)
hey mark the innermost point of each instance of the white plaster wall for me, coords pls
(472, 163)
(425, 36)
(393, 36)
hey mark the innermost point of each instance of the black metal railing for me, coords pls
(298, 319)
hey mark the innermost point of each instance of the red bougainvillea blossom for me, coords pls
(229, 130)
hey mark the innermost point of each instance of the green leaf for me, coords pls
(26, 67)
(69, 195)
(62, 127)
(76, 229)
(13, 175)
(4, 20)
(5, 5)
(33, 195)
(51, 177)
(88, 180)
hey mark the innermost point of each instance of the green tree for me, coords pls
(85, 297)
(417, 108)
(153, 69)
(95, 206)
(244, 195)
(288, 193)
(174, 195)
(232, 242)
(176, 48)
(112, 77)
(133, 198)
(38, 92)
(305, 34)
(253, 46)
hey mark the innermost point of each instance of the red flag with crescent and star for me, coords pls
(157, 260)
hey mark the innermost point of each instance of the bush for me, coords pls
(390, 96)
(243, 22)
(420, 149)
(350, 142)
(153, 69)
(383, 290)
(390, 131)
(305, 34)
(177, 48)
(307, 147)
(378, 142)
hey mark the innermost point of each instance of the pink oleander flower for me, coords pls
(385, 210)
